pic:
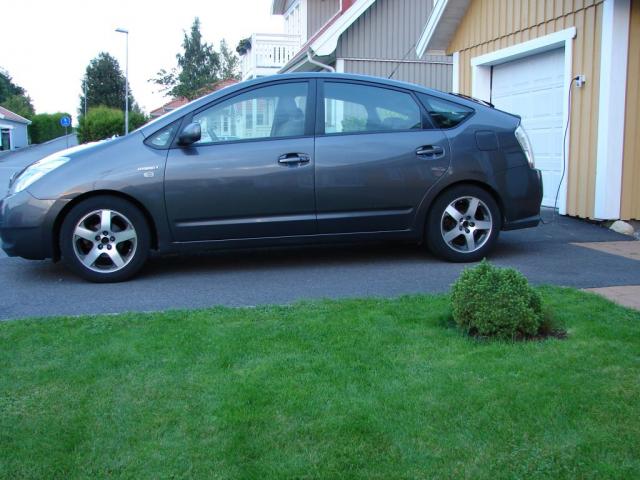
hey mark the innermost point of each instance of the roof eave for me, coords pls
(21, 120)
(10, 116)
(302, 64)
(326, 43)
(441, 26)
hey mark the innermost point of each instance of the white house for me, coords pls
(13, 130)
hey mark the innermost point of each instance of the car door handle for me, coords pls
(430, 151)
(293, 159)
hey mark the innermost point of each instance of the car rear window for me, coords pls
(444, 114)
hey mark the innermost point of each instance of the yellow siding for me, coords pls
(631, 167)
(491, 25)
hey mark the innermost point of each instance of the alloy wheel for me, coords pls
(104, 241)
(466, 224)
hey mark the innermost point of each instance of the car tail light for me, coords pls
(523, 140)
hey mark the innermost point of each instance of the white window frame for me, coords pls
(299, 8)
(10, 128)
(455, 80)
(611, 108)
(481, 80)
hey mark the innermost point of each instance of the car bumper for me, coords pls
(523, 223)
(524, 197)
(26, 226)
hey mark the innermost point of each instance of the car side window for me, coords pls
(350, 108)
(274, 111)
(163, 137)
(444, 114)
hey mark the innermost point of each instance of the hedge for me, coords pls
(104, 122)
(46, 126)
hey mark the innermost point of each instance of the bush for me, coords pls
(496, 302)
(104, 122)
(46, 126)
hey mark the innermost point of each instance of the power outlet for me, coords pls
(580, 81)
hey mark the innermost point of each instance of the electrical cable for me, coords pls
(564, 156)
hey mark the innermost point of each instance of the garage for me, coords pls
(532, 87)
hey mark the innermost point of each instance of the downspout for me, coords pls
(324, 66)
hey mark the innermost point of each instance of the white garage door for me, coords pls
(532, 87)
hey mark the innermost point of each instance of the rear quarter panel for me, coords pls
(499, 164)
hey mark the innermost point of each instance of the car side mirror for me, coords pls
(190, 134)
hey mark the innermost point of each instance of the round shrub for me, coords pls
(496, 302)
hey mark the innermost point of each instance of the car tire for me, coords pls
(463, 224)
(104, 239)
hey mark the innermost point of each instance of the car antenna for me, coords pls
(402, 60)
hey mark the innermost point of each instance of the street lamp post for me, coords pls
(126, 81)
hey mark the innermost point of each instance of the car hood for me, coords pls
(75, 153)
(86, 148)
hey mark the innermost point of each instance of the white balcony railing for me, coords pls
(269, 53)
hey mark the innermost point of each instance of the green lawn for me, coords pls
(337, 389)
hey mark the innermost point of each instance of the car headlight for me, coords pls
(36, 171)
(523, 140)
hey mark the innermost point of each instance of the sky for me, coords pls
(47, 44)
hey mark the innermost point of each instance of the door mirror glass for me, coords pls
(190, 134)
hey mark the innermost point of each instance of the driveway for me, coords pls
(546, 255)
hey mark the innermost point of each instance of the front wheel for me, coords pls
(104, 239)
(463, 224)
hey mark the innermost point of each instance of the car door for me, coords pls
(251, 175)
(376, 157)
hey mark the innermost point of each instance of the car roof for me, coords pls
(353, 76)
(172, 116)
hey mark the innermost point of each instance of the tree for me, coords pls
(105, 84)
(7, 87)
(199, 66)
(230, 62)
(20, 104)
(13, 97)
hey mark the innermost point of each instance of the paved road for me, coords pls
(544, 254)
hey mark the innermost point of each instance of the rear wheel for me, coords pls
(463, 225)
(105, 239)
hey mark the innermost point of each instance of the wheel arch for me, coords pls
(57, 223)
(476, 183)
